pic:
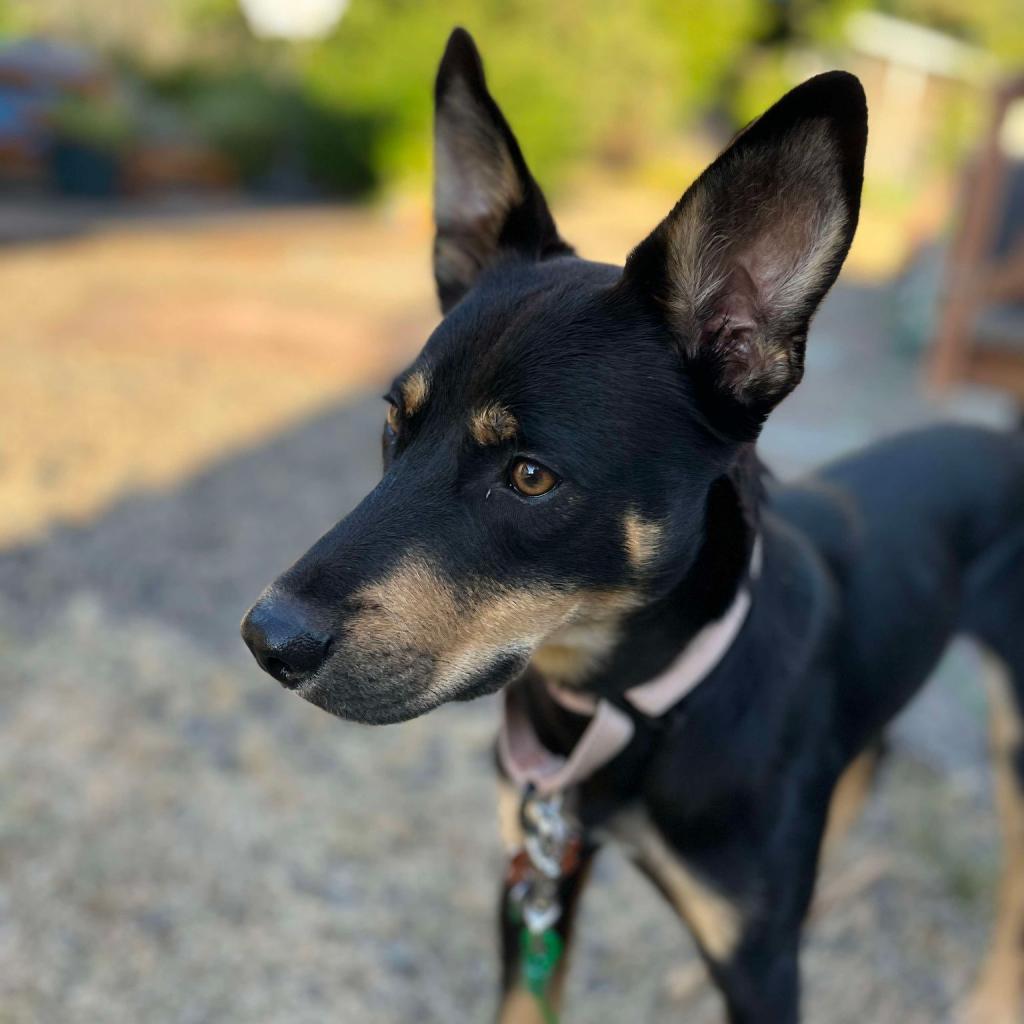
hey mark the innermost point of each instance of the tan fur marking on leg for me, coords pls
(643, 539)
(713, 919)
(520, 1007)
(999, 995)
(509, 800)
(415, 389)
(848, 800)
(492, 424)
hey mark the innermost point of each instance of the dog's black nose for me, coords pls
(283, 641)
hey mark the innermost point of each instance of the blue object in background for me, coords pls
(82, 171)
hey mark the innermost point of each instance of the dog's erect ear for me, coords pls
(739, 266)
(486, 204)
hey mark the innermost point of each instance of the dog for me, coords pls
(572, 507)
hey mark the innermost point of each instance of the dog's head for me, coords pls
(550, 455)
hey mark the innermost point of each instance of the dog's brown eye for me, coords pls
(531, 478)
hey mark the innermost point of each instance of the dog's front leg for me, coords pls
(753, 962)
(518, 1005)
(750, 947)
(760, 982)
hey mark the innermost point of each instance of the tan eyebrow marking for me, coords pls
(643, 538)
(415, 389)
(492, 424)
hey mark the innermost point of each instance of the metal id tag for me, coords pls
(546, 831)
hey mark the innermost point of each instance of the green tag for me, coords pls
(540, 956)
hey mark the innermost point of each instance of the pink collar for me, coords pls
(527, 761)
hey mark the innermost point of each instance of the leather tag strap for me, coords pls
(527, 761)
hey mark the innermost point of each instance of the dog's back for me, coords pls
(917, 531)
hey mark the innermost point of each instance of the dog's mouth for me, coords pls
(384, 696)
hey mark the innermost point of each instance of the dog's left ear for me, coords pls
(741, 263)
(486, 204)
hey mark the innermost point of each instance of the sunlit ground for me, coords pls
(135, 354)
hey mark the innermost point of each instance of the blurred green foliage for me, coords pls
(581, 77)
(258, 119)
(100, 122)
(577, 78)
(239, 112)
(574, 77)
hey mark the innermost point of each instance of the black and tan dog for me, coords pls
(571, 494)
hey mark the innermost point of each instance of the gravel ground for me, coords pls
(181, 841)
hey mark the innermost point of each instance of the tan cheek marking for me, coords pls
(415, 389)
(492, 424)
(569, 656)
(715, 921)
(499, 621)
(643, 540)
(414, 608)
(411, 607)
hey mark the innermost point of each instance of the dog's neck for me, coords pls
(607, 657)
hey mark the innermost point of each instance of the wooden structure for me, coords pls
(980, 330)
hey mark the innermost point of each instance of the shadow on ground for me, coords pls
(31, 219)
(196, 556)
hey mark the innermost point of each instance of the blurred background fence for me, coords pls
(214, 250)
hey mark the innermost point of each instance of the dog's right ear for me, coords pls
(738, 268)
(486, 204)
